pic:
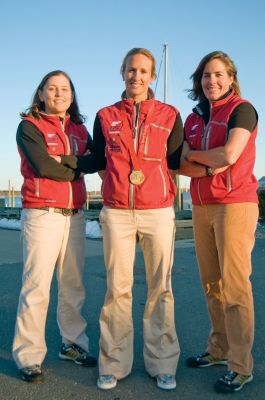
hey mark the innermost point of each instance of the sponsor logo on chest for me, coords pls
(115, 127)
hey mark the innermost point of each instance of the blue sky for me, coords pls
(88, 39)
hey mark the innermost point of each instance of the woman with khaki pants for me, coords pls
(219, 155)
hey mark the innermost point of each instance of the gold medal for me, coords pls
(137, 177)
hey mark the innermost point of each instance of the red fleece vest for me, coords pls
(158, 189)
(43, 192)
(235, 185)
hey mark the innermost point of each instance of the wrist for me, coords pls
(209, 171)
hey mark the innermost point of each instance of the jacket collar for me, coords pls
(150, 95)
(144, 105)
(55, 120)
(203, 108)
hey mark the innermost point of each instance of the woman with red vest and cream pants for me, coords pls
(136, 142)
(219, 155)
(53, 226)
(142, 141)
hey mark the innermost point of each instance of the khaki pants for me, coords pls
(49, 239)
(155, 229)
(224, 238)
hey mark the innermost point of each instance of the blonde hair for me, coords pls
(145, 52)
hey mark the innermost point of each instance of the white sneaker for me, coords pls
(106, 382)
(166, 381)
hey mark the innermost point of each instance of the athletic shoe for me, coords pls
(232, 382)
(166, 381)
(106, 382)
(204, 360)
(32, 374)
(75, 353)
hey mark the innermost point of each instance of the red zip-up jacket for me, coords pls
(60, 139)
(158, 189)
(235, 185)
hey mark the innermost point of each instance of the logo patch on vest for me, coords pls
(115, 127)
(52, 139)
(114, 147)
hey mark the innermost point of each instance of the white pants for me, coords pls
(155, 229)
(50, 239)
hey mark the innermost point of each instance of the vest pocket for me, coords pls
(163, 181)
(37, 187)
(154, 191)
(229, 180)
(155, 143)
(78, 146)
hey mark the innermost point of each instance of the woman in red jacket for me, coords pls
(219, 155)
(53, 226)
(143, 141)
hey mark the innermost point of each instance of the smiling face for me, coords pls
(215, 80)
(138, 76)
(56, 95)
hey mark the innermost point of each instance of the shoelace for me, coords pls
(202, 356)
(74, 347)
(107, 378)
(230, 376)
(79, 349)
(33, 369)
(82, 354)
(166, 377)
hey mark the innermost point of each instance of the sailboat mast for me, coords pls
(165, 70)
(177, 178)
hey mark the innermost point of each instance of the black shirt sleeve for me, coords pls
(184, 133)
(89, 145)
(244, 116)
(33, 146)
(175, 144)
(99, 145)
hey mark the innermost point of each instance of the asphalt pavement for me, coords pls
(66, 381)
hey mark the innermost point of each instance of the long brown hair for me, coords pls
(38, 106)
(196, 93)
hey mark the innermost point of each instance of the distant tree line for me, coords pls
(261, 194)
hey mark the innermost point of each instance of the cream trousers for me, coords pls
(50, 239)
(155, 230)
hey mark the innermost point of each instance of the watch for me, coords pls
(209, 171)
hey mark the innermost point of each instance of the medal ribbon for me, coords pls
(127, 134)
